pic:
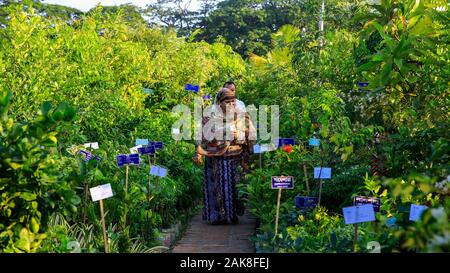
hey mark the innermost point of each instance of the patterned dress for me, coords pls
(219, 189)
(222, 173)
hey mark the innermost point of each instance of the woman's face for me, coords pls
(228, 105)
(232, 87)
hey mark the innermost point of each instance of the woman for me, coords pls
(224, 155)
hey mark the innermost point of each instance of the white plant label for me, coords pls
(359, 214)
(101, 192)
(134, 150)
(92, 145)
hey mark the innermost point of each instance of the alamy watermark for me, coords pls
(216, 123)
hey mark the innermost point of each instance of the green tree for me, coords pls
(30, 185)
(247, 25)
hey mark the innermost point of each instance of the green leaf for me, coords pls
(378, 57)
(69, 114)
(34, 225)
(46, 106)
(53, 138)
(389, 41)
(24, 242)
(399, 64)
(15, 165)
(386, 72)
(368, 66)
(28, 196)
(75, 199)
(5, 99)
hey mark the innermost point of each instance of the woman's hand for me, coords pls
(197, 158)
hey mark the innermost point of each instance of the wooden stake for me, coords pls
(149, 177)
(355, 240)
(260, 160)
(156, 184)
(320, 192)
(176, 146)
(278, 212)
(126, 180)
(102, 214)
(306, 179)
(86, 196)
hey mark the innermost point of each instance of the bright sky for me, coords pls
(85, 5)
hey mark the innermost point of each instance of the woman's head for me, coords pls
(230, 85)
(226, 99)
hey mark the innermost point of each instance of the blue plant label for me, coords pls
(306, 202)
(87, 155)
(286, 141)
(158, 145)
(190, 87)
(282, 182)
(158, 171)
(256, 149)
(134, 159)
(143, 142)
(148, 91)
(314, 142)
(358, 214)
(415, 212)
(121, 160)
(146, 150)
(362, 200)
(322, 173)
(390, 222)
(363, 84)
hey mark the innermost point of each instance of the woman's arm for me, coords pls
(197, 158)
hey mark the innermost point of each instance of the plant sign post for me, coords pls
(257, 150)
(358, 214)
(362, 200)
(280, 183)
(191, 88)
(314, 142)
(306, 178)
(92, 145)
(260, 149)
(126, 160)
(175, 133)
(415, 211)
(321, 173)
(158, 172)
(87, 156)
(157, 145)
(148, 150)
(148, 91)
(285, 141)
(98, 194)
(306, 202)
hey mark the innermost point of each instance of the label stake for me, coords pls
(102, 214)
